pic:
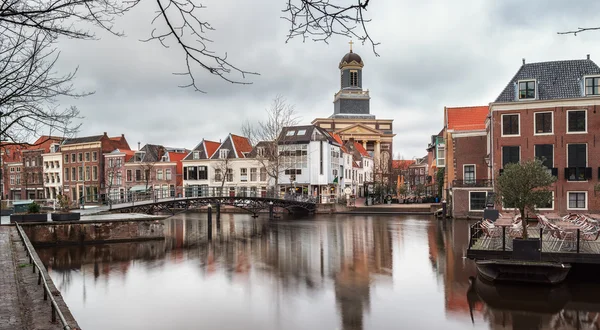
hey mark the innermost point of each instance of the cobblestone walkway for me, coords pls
(10, 317)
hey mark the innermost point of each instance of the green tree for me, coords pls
(525, 185)
(440, 181)
(419, 190)
(403, 190)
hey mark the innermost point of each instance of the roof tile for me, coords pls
(467, 118)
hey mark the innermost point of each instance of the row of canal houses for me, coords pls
(93, 169)
(548, 110)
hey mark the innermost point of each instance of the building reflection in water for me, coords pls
(573, 305)
(300, 255)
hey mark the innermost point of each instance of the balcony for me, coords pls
(578, 173)
(471, 183)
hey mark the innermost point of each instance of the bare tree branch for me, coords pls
(579, 30)
(323, 19)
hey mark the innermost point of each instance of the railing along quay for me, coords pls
(42, 280)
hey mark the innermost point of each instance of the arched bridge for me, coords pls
(253, 205)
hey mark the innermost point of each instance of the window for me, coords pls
(168, 174)
(80, 157)
(87, 172)
(441, 156)
(18, 178)
(353, 78)
(218, 175)
(87, 156)
(576, 121)
(138, 175)
(202, 173)
(129, 176)
(543, 123)
(510, 125)
(223, 153)
(263, 174)
(33, 162)
(545, 153)
(469, 173)
(196, 155)
(95, 156)
(80, 177)
(260, 151)
(95, 173)
(159, 174)
(229, 176)
(577, 200)
(477, 200)
(592, 86)
(12, 179)
(110, 163)
(119, 178)
(243, 174)
(301, 132)
(73, 174)
(510, 154)
(73, 160)
(253, 174)
(549, 206)
(190, 173)
(527, 90)
(290, 133)
(66, 174)
(66, 159)
(577, 163)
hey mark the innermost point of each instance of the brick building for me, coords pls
(550, 110)
(12, 164)
(83, 162)
(114, 174)
(466, 178)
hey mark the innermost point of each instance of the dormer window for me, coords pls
(301, 131)
(290, 133)
(223, 153)
(260, 151)
(164, 158)
(138, 156)
(527, 90)
(592, 86)
(196, 155)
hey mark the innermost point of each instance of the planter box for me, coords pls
(33, 217)
(6, 212)
(526, 249)
(66, 216)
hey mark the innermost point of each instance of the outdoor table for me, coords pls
(504, 222)
(567, 226)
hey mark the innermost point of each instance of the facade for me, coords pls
(400, 168)
(12, 164)
(115, 174)
(83, 162)
(196, 164)
(358, 168)
(466, 179)
(417, 175)
(313, 161)
(549, 110)
(352, 118)
(53, 172)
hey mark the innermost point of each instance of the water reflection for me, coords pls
(332, 272)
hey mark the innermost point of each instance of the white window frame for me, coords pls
(553, 152)
(585, 89)
(502, 125)
(567, 121)
(535, 123)
(476, 191)
(520, 153)
(549, 209)
(474, 172)
(586, 200)
(223, 153)
(587, 155)
(196, 155)
(518, 89)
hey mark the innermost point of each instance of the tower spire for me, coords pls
(351, 43)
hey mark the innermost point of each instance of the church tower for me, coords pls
(351, 101)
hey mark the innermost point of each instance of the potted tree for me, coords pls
(403, 191)
(524, 186)
(64, 213)
(32, 215)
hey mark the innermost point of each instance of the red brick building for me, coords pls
(550, 110)
(32, 173)
(83, 163)
(466, 178)
(12, 165)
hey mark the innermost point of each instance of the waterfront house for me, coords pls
(196, 166)
(467, 174)
(115, 174)
(53, 171)
(549, 110)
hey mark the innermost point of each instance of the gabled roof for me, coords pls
(555, 80)
(84, 139)
(338, 139)
(211, 147)
(358, 129)
(289, 135)
(363, 152)
(205, 150)
(466, 118)
(241, 144)
(402, 163)
(151, 153)
(43, 143)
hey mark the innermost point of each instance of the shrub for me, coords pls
(63, 202)
(33, 208)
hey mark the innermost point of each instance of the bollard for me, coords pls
(444, 210)
(209, 222)
(218, 217)
(270, 210)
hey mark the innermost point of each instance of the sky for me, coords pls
(432, 54)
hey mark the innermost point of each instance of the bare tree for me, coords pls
(579, 30)
(222, 169)
(114, 166)
(147, 169)
(268, 132)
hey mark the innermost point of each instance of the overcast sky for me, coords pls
(433, 54)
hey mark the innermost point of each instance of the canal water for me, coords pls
(324, 272)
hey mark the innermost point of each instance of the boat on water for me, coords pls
(540, 272)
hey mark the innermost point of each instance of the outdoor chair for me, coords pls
(591, 237)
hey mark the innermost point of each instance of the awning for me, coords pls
(140, 188)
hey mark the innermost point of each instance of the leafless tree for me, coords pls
(579, 30)
(147, 169)
(222, 168)
(281, 114)
(114, 166)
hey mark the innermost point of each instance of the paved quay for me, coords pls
(22, 304)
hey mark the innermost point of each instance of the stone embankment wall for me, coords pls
(99, 231)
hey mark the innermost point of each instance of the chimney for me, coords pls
(105, 134)
(588, 56)
(122, 135)
(139, 143)
(523, 60)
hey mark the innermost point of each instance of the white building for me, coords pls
(52, 166)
